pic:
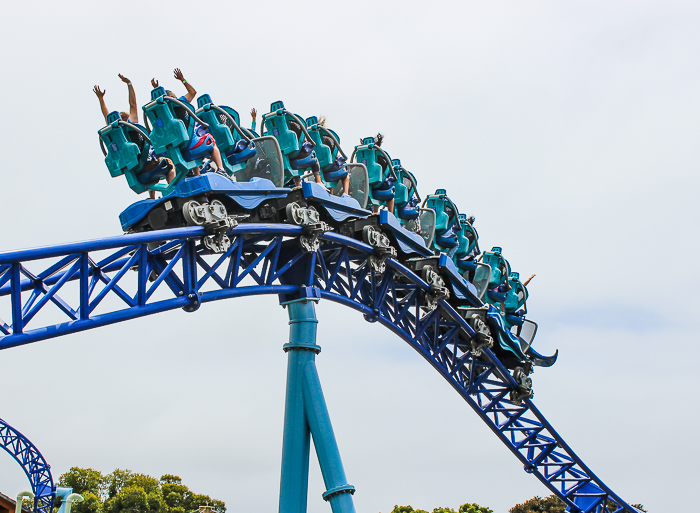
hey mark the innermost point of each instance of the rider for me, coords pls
(152, 160)
(133, 115)
(199, 132)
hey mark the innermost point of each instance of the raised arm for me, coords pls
(100, 96)
(253, 114)
(133, 108)
(191, 92)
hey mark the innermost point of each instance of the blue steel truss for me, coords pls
(33, 464)
(120, 278)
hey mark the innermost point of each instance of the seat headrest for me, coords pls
(112, 117)
(279, 104)
(203, 100)
(157, 92)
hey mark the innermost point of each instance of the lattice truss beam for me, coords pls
(33, 463)
(87, 285)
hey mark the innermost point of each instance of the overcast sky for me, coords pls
(569, 129)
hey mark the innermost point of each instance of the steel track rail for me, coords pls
(172, 270)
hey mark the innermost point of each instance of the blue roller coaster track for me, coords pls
(64, 289)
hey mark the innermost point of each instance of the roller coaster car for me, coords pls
(512, 347)
(445, 281)
(446, 224)
(172, 133)
(125, 147)
(244, 154)
(202, 200)
(334, 166)
(383, 231)
(296, 145)
(380, 174)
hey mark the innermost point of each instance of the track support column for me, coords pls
(306, 415)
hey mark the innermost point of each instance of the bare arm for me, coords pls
(253, 114)
(191, 92)
(100, 96)
(133, 109)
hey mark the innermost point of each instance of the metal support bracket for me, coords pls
(312, 226)
(382, 248)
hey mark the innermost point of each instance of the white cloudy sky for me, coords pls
(569, 129)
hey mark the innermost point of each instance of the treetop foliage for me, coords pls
(464, 508)
(124, 491)
(553, 504)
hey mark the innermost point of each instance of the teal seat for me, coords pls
(498, 281)
(447, 224)
(517, 295)
(468, 240)
(169, 134)
(406, 198)
(225, 133)
(296, 148)
(379, 171)
(331, 158)
(122, 155)
(126, 147)
(515, 304)
(367, 153)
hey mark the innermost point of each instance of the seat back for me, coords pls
(127, 151)
(500, 268)
(405, 184)
(468, 239)
(167, 130)
(277, 125)
(366, 154)
(324, 153)
(445, 213)
(517, 295)
(123, 154)
(225, 135)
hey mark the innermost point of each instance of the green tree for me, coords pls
(553, 504)
(464, 508)
(407, 509)
(84, 480)
(474, 508)
(92, 503)
(124, 491)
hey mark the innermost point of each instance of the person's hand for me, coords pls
(253, 113)
(98, 92)
(154, 83)
(124, 79)
(179, 75)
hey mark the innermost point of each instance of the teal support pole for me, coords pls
(338, 491)
(306, 414)
(301, 349)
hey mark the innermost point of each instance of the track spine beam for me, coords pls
(84, 285)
